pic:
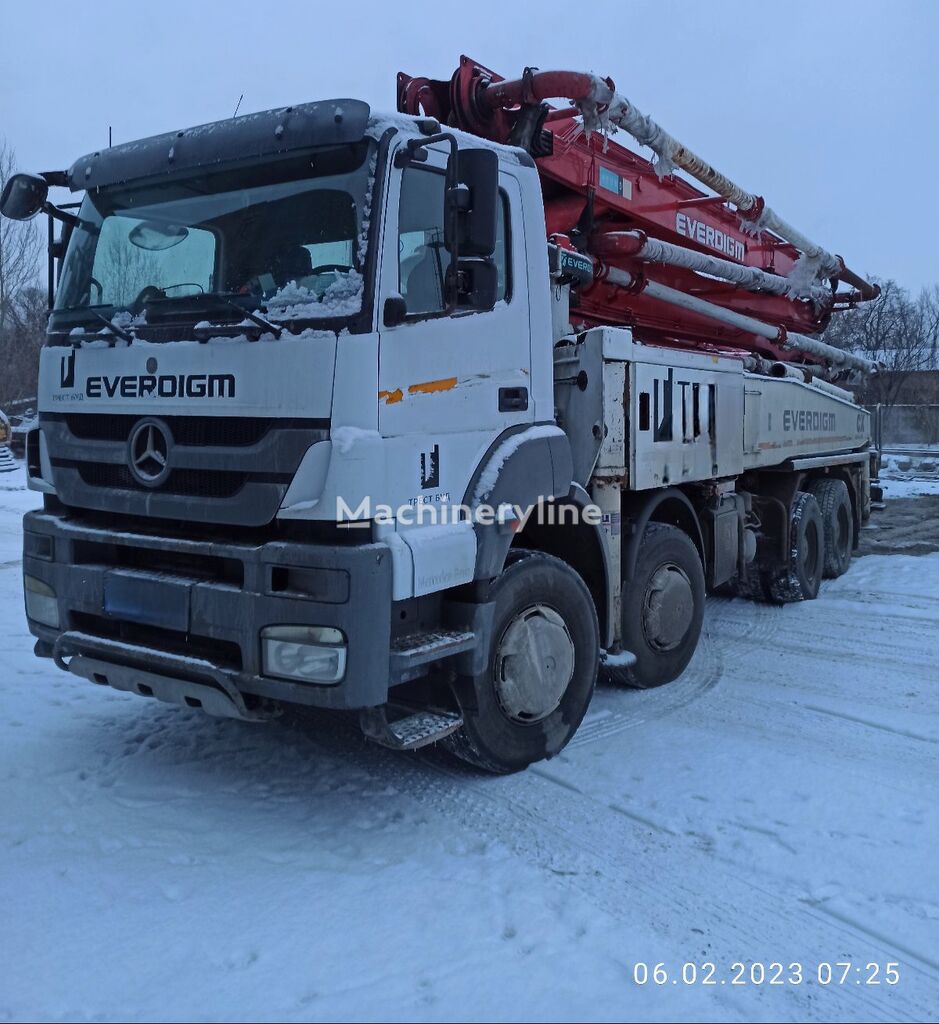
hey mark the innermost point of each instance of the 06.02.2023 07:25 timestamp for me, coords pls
(755, 972)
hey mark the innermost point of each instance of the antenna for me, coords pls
(109, 136)
(238, 105)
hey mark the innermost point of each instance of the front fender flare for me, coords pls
(523, 466)
(669, 505)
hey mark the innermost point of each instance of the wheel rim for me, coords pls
(534, 664)
(668, 607)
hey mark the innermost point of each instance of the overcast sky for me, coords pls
(829, 110)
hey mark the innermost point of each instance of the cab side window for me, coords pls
(422, 257)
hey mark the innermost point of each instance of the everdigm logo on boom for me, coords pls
(808, 419)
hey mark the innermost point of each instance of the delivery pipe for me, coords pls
(600, 105)
(804, 374)
(792, 371)
(653, 250)
(740, 321)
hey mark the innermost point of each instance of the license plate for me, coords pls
(150, 599)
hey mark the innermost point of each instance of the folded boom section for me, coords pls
(671, 259)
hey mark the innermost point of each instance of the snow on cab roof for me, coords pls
(410, 125)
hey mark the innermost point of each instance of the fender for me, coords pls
(579, 497)
(524, 465)
(640, 507)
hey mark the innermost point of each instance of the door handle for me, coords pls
(513, 399)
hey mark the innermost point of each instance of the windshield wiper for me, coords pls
(121, 332)
(256, 318)
(214, 299)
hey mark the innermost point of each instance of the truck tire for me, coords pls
(663, 606)
(751, 587)
(541, 670)
(838, 523)
(615, 675)
(801, 576)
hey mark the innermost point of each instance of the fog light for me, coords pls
(38, 545)
(41, 605)
(311, 654)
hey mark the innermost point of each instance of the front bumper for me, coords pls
(190, 612)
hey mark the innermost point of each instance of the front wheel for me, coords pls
(663, 606)
(542, 667)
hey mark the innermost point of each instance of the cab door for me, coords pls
(449, 384)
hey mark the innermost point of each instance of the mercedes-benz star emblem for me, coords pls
(148, 452)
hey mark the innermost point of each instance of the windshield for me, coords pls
(287, 238)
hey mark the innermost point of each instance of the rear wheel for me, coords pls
(541, 671)
(834, 502)
(663, 606)
(801, 576)
(614, 674)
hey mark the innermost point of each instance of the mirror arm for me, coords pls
(57, 179)
(65, 218)
(413, 150)
(50, 261)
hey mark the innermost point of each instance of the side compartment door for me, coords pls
(686, 424)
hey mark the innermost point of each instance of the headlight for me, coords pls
(310, 654)
(41, 605)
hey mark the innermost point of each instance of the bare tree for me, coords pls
(896, 330)
(20, 246)
(124, 270)
(20, 342)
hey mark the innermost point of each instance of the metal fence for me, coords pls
(905, 426)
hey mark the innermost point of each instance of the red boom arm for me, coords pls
(649, 226)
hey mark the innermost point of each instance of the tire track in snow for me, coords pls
(596, 850)
(856, 719)
(929, 962)
(615, 709)
(580, 829)
(728, 626)
(667, 879)
(555, 825)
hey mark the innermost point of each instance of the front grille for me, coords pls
(98, 427)
(223, 653)
(204, 431)
(182, 563)
(190, 483)
(224, 469)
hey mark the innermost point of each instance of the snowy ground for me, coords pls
(777, 803)
(910, 476)
(898, 488)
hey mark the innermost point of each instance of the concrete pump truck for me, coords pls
(429, 416)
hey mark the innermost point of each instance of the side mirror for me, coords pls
(478, 283)
(395, 311)
(473, 203)
(23, 196)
